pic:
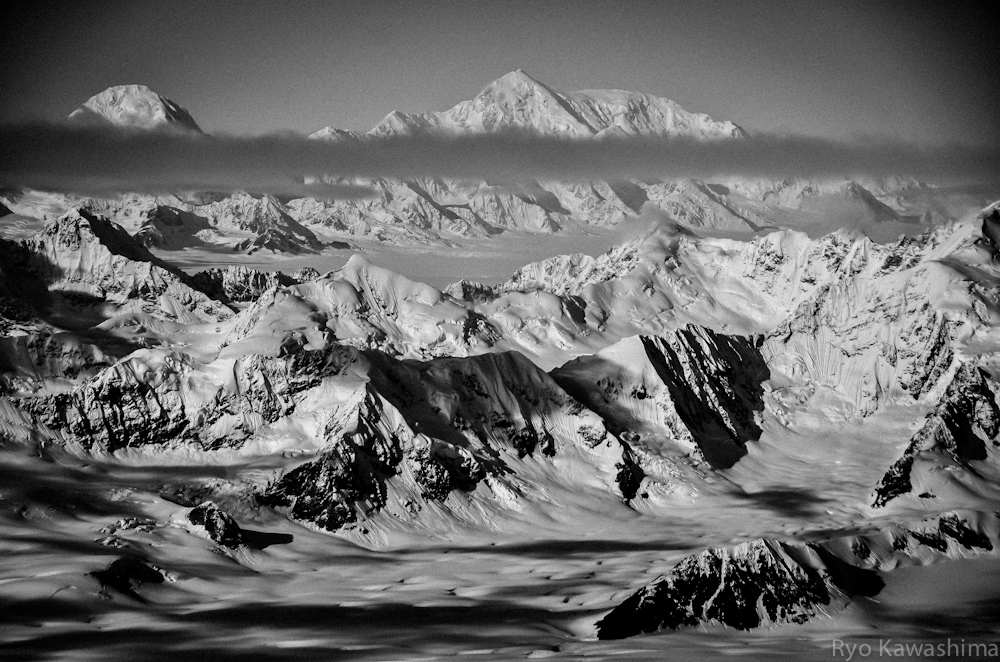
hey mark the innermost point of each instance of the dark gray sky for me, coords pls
(905, 70)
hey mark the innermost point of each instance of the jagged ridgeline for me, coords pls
(769, 582)
(689, 387)
(808, 385)
(435, 211)
(408, 395)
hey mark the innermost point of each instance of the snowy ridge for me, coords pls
(766, 582)
(963, 428)
(695, 388)
(518, 101)
(676, 384)
(135, 106)
(89, 256)
(436, 211)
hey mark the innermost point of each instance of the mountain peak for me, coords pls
(135, 106)
(514, 78)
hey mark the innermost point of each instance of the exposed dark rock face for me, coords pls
(756, 583)
(350, 476)
(957, 528)
(87, 256)
(131, 405)
(489, 402)
(437, 427)
(241, 284)
(697, 387)
(127, 574)
(765, 582)
(953, 526)
(960, 426)
(991, 229)
(468, 291)
(715, 384)
(221, 527)
(629, 476)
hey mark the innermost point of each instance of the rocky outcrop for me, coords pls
(217, 524)
(349, 477)
(757, 583)
(156, 398)
(127, 575)
(767, 582)
(699, 389)
(423, 431)
(965, 420)
(243, 284)
(271, 226)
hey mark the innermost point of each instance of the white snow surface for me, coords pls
(135, 106)
(488, 464)
(858, 342)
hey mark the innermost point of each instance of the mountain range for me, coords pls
(441, 212)
(694, 433)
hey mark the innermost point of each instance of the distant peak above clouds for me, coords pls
(519, 101)
(135, 106)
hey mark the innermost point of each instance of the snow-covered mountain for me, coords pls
(768, 582)
(436, 211)
(689, 349)
(238, 222)
(687, 431)
(747, 397)
(518, 101)
(135, 106)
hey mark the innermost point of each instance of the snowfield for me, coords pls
(628, 420)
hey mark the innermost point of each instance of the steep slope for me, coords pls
(767, 582)
(135, 106)
(239, 221)
(368, 307)
(81, 294)
(518, 101)
(266, 221)
(34, 353)
(961, 433)
(469, 440)
(696, 389)
(88, 256)
(464, 439)
(243, 284)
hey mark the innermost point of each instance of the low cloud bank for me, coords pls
(73, 158)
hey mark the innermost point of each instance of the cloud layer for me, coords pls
(109, 159)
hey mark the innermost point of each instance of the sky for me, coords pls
(922, 72)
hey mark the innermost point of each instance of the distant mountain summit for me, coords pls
(518, 101)
(135, 106)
